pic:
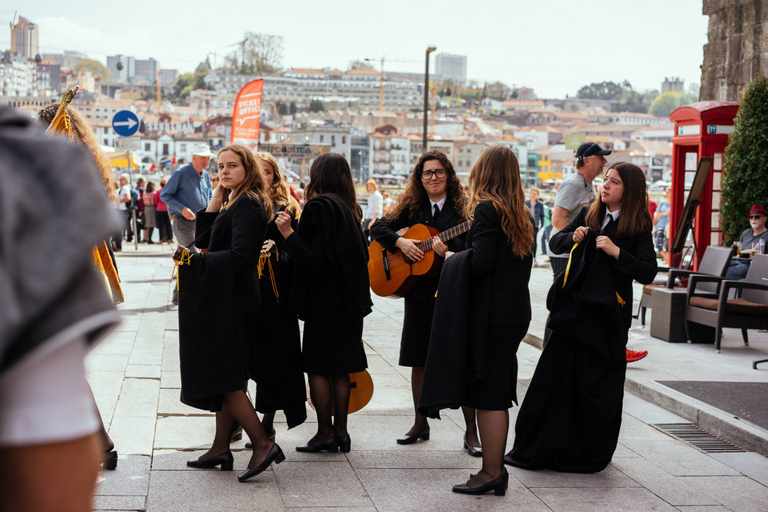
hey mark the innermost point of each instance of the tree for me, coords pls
(95, 67)
(603, 91)
(259, 53)
(293, 108)
(359, 64)
(663, 105)
(316, 106)
(498, 91)
(744, 182)
(183, 85)
(633, 101)
(282, 108)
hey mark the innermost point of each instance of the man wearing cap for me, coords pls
(188, 191)
(751, 237)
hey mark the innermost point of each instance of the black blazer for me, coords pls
(637, 260)
(493, 263)
(384, 231)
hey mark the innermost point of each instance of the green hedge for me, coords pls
(745, 174)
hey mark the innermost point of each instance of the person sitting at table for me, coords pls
(751, 236)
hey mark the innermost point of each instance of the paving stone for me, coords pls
(171, 405)
(678, 458)
(696, 508)
(107, 362)
(146, 356)
(185, 432)
(128, 503)
(739, 493)
(751, 464)
(402, 490)
(540, 478)
(647, 412)
(131, 478)
(176, 460)
(144, 371)
(204, 491)
(369, 432)
(132, 435)
(661, 483)
(320, 484)
(602, 499)
(170, 379)
(390, 459)
(138, 398)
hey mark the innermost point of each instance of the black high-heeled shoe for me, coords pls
(226, 460)
(345, 443)
(474, 451)
(272, 435)
(275, 455)
(406, 439)
(331, 446)
(110, 460)
(498, 485)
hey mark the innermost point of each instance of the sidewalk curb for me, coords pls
(712, 420)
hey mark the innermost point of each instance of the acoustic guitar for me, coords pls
(393, 275)
(360, 393)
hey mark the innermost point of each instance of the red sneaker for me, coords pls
(633, 356)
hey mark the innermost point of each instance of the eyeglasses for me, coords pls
(437, 173)
(755, 216)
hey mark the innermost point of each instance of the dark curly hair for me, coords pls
(414, 196)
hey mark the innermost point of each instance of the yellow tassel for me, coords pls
(568, 267)
(621, 301)
(265, 258)
(185, 259)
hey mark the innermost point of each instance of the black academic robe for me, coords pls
(218, 303)
(571, 415)
(276, 360)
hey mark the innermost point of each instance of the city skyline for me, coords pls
(541, 45)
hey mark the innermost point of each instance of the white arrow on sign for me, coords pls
(130, 123)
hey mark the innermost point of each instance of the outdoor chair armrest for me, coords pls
(674, 273)
(702, 278)
(725, 286)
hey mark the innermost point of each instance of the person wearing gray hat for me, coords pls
(188, 191)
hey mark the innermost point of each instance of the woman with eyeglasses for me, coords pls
(433, 196)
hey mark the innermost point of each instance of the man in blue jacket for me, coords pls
(188, 190)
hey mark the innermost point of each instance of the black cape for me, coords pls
(458, 344)
(346, 253)
(276, 360)
(219, 302)
(571, 415)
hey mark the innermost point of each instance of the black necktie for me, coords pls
(435, 215)
(611, 226)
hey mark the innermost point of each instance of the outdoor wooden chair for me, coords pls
(750, 311)
(714, 262)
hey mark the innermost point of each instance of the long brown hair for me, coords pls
(278, 191)
(414, 196)
(254, 184)
(495, 177)
(82, 133)
(635, 219)
(330, 174)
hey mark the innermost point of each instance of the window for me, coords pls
(165, 149)
(322, 139)
(182, 148)
(333, 140)
(147, 146)
(343, 139)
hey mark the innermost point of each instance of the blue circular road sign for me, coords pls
(125, 123)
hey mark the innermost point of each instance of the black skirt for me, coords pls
(333, 343)
(417, 325)
(498, 389)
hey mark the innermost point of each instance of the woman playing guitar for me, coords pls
(434, 196)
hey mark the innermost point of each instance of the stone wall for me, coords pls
(737, 49)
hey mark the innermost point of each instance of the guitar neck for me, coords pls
(448, 234)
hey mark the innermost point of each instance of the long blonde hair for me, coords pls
(495, 177)
(254, 184)
(279, 192)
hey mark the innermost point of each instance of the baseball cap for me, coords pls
(591, 149)
(757, 209)
(201, 150)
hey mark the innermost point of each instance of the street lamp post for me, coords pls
(426, 96)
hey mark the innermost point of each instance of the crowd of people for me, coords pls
(256, 256)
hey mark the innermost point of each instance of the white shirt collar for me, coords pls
(439, 204)
(608, 215)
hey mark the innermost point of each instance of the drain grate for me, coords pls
(694, 436)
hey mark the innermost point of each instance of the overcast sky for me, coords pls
(554, 46)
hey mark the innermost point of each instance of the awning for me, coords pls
(120, 159)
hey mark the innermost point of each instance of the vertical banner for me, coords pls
(247, 114)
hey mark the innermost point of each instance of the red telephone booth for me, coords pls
(701, 130)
